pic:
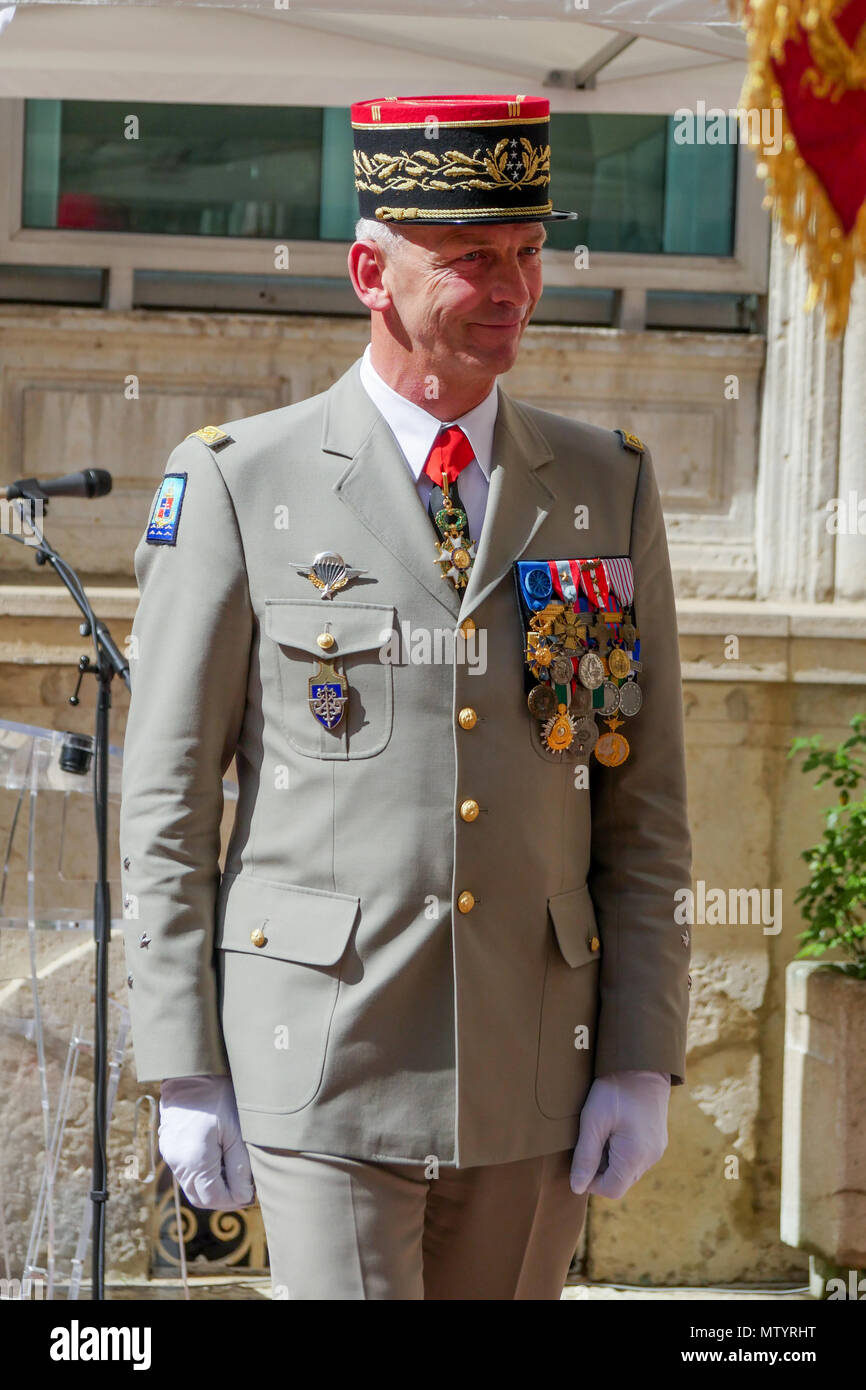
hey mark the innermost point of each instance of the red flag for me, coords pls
(807, 67)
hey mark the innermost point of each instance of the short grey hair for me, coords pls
(368, 229)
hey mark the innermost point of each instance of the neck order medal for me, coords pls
(455, 552)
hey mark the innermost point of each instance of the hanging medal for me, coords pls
(558, 731)
(612, 748)
(328, 693)
(455, 550)
(581, 652)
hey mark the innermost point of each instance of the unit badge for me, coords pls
(581, 653)
(328, 695)
(165, 516)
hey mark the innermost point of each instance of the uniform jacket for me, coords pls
(376, 1019)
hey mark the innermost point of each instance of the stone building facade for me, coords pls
(752, 438)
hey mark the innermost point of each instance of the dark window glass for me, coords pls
(637, 190)
(251, 171)
(286, 173)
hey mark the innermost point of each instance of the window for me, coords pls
(286, 173)
(637, 190)
(249, 171)
(189, 205)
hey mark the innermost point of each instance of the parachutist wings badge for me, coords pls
(328, 572)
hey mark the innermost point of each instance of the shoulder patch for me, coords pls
(212, 436)
(631, 441)
(165, 516)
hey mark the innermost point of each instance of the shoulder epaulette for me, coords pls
(631, 441)
(213, 437)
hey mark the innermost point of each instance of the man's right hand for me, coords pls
(200, 1140)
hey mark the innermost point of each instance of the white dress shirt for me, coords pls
(416, 429)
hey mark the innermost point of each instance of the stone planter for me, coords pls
(824, 1118)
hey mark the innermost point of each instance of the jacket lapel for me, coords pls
(378, 487)
(517, 502)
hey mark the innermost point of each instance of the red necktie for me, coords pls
(451, 451)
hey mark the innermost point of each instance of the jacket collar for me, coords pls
(415, 429)
(378, 488)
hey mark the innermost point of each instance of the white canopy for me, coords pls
(631, 55)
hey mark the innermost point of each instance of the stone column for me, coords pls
(798, 465)
(851, 542)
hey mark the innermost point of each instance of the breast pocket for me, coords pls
(281, 950)
(569, 1006)
(344, 712)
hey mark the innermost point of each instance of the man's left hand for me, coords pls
(626, 1114)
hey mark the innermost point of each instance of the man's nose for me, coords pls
(509, 284)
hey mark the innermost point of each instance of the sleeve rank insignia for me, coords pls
(212, 436)
(631, 441)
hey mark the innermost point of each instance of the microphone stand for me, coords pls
(108, 662)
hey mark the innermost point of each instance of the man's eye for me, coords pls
(472, 255)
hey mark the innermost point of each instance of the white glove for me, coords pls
(200, 1140)
(623, 1131)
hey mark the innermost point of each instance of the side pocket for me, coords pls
(569, 1005)
(280, 953)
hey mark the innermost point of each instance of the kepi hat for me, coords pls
(441, 159)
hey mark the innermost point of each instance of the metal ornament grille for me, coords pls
(214, 1241)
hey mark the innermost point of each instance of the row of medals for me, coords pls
(558, 634)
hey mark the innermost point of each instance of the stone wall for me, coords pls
(118, 390)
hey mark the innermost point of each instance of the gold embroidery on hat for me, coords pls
(403, 172)
(386, 214)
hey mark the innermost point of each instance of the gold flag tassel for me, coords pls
(795, 194)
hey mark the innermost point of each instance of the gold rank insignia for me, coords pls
(631, 441)
(212, 436)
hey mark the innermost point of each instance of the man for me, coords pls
(443, 950)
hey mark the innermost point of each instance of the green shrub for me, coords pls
(834, 899)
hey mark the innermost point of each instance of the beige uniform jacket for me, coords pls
(375, 1018)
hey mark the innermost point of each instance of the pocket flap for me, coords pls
(355, 627)
(573, 917)
(302, 924)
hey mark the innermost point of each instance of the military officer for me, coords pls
(437, 995)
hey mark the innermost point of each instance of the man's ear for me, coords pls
(367, 273)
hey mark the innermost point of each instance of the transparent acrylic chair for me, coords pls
(47, 869)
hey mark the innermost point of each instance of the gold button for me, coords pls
(257, 937)
(467, 718)
(326, 640)
(469, 809)
(594, 944)
(467, 626)
(466, 901)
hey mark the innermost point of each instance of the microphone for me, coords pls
(91, 482)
